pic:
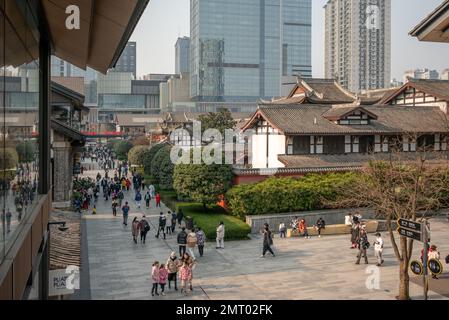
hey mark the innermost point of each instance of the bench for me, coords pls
(334, 229)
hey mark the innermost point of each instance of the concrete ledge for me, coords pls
(334, 229)
(61, 205)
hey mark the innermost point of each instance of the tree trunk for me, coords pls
(404, 278)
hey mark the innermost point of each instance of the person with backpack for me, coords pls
(201, 239)
(191, 243)
(162, 223)
(182, 241)
(147, 199)
(125, 211)
(363, 245)
(144, 227)
(138, 198)
(267, 240)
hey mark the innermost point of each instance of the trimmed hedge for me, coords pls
(121, 149)
(162, 168)
(148, 159)
(235, 229)
(281, 195)
(137, 155)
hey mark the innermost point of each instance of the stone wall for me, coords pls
(330, 217)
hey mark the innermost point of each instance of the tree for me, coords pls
(221, 121)
(400, 188)
(121, 149)
(137, 155)
(26, 151)
(148, 158)
(162, 167)
(8, 158)
(202, 183)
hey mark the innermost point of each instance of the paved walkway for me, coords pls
(317, 268)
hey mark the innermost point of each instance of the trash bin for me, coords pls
(189, 223)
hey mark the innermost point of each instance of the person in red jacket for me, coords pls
(128, 184)
(158, 200)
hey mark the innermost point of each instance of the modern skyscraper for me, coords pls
(127, 61)
(358, 43)
(182, 55)
(240, 50)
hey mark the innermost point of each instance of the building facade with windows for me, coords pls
(182, 55)
(239, 50)
(358, 43)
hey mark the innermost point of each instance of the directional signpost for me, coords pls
(419, 231)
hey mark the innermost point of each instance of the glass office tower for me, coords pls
(240, 50)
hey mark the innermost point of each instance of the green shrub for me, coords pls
(136, 155)
(26, 151)
(148, 158)
(162, 168)
(279, 195)
(121, 149)
(9, 158)
(235, 229)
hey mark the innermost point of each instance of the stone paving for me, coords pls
(316, 268)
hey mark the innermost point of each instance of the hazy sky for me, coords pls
(165, 20)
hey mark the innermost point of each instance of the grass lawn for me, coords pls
(235, 229)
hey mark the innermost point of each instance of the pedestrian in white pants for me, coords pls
(220, 235)
(378, 248)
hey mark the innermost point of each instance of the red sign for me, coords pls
(105, 133)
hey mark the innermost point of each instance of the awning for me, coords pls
(68, 131)
(105, 28)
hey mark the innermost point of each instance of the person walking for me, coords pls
(182, 241)
(173, 221)
(163, 275)
(378, 248)
(363, 245)
(144, 227)
(155, 277)
(320, 225)
(135, 229)
(355, 232)
(180, 216)
(120, 197)
(158, 200)
(282, 230)
(147, 199)
(138, 199)
(185, 274)
(152, 190)
(172, 266)
(303, 229)
(114, 208)
(201, 239)
(125, 211)
(191, 243)
(162, 223)
(267, 240)
(8, 220)
(220, 235)
(168, 223)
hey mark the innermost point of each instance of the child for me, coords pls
(163, 275)
(94, 210)
(185, 275)
(282, 230)
(155, 277)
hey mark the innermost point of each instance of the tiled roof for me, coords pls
(65, 245)
(436, 88)
(377, 96)
(339, 111)
(309, 119)
(353, 160)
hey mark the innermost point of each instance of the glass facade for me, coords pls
(239, 50)
(182, 55)
(19, 105)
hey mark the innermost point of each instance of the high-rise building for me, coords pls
(127, 61)
(358, 43)
(421, 74)
(182, 55)
(445, 74)
(239, 50)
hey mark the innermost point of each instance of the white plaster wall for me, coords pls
(277, 147)
(259, 151)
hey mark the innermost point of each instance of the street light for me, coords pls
(62, 225)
